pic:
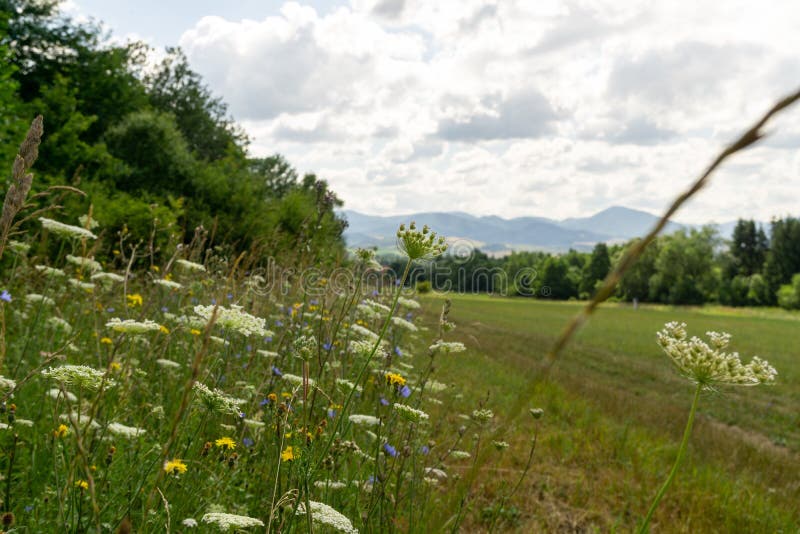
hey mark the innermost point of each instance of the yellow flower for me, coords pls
(288, 455)
(195, 332)
(106, 341)
(135, 300)
(82, 484)
(394, 379)
(163, 329)
(226, 443)
(115, 252)
(155, 268)
(61, 431)
(115, 366)
(175, 466)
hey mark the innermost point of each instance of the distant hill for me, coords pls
(499, 236)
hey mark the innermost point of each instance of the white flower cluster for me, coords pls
(216, 400)
(409, 413)
(169, 284)
(365, 420)
(118, 429)
(399, 322)
(367, 312)
(234, 318)
(129, 326)
(191, 266)
(447, 347)
(322, 514)
(57, 323)
(65, 230)
(36, 298)
(79, 375)
(364, 332)
(482, 416)
(163, 362)
(296, 380)
(330, 484)
(6, 384)
(108, 277)
(86, 286)
(50, 271)
(84, 263)
(408, 303)
(231, 521)
(710, 365)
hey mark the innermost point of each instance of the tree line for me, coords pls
(694, 266)
(148, 143)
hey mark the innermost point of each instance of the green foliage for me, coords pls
(789, 294)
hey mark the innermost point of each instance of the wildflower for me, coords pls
(107, 277)
(50, 271)
(189, 522)
(288, 454)
(405, 392)
(482, 416)
(347, 385)
(57, 323)
(134, 300)
(388, 449)
(438, 473)
(169, 284)
(537, 413)
(267, 353)
(191, 266)
(56, 394)
(129, 326)
(82, 484)
(88, 222)
(196, 332)
(297, 380)
(175, 466)
(5, 296)
(409, 413)
(80, 375)
(324, 515)
(225, 443)
(66, 230)
(61, 431)
(708, 366)
(35, 298)
(124, 431)
(364, 332)
(500, 445)
(435, 386)
(216, 400)
(86, 286)
(163, 329)
(408, 303)
(419, 245)
(106, 341)
(394, 379)
(6, 384)
(18, 247)
(84, 263)
(115, 366)
(447, 347)
(234, 318)
(460, 455)
(365, 420)
(168, 363)
(405, 325)
(329, 484)
(231, 521)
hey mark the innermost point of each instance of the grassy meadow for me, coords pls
(615, 409)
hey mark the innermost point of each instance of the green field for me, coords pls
(615, 410)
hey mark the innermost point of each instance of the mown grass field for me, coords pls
(615, 410)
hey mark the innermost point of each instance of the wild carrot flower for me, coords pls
(191, 266)
(79, 375)
(66, 230)
(234, 318)
(399, 322)
(447, 347)
(86, 286)
(409, 413)
(6, 384)
(408, 303)
(50, 271)
(325, 516)
(460, 455)
(84, 263)
(231, 521)
(169, 284)
(709, 366)
(118, 429)
(216, 400)
(366, 420)
(419, 245)
(36, 298)
(482, 416)
(107, 278)
(175, 467)
(129, 326)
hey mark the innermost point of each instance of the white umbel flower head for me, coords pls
(410, 414)
(118, 429)
(408, 303)
(50, 271)
(324, 515)
(6, 384)
(234, 318)
(216, 400)
(447, 347)
(709, 366)
(66, 230)
(129, 326)
(231, 521)
(191, 266)
(169, 284)
(79, 375)
(108, 278)
(84, 263)
(399, 322)
(365, 420)
(36, 298)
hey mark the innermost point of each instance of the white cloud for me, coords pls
(550, 108)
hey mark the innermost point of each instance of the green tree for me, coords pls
(748, 248)
(596, 270)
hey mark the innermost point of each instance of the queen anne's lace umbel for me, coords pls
(708, 364)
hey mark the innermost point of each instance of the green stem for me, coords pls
(644, 527)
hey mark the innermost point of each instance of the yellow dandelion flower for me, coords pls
(272, 397)
(134, 300)
(106, 341)
(175, 466)
(115, 366)
(61, 431)
(82, 484)
(226, 443)
(195, 332)
(163, 329)
(288, 454)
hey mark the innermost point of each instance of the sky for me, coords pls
(510, 108)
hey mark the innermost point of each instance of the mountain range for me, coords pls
(497, 236)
